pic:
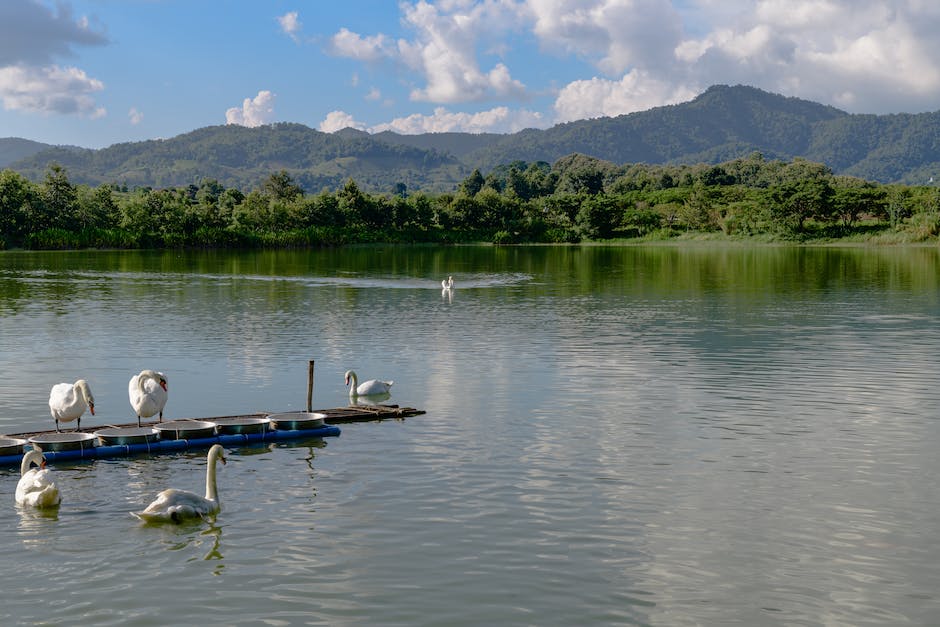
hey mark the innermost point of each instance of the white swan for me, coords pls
(148, 394)
(448, 283)
(178, 505)
(68, 401)
(368, 388)
(36, 487)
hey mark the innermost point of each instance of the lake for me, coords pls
(641, 435)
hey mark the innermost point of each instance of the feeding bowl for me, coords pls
(242, 424)
(69, 441)
(185, 429)
(11, 446)
(297, 420)
(127, 435)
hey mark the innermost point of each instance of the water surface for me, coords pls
(642, 435)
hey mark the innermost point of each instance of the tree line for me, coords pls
(577, 198)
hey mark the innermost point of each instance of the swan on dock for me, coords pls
(174, 505)
(36, 487)
(148, 393)
(68, 401)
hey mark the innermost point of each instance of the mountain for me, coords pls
(722, 123)
(13, 149)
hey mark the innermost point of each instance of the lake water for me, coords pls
(676, 435)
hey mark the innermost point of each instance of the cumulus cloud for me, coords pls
(496, 120)
(290, 24)
(443, 50)
(614, 35)
(338, 120)
(636, 91)
(254, 111)
(49, 90)
(32, 36)
(346, 43)
(863, 55)
(135, 116)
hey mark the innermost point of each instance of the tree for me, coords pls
(472, 185)
(59, 200)
(281, 186)
(16, 196)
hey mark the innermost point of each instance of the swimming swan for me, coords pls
(68, 401)
(448, 283)
(178, 505)
(148, 394)
(36, 487)
(369, 388)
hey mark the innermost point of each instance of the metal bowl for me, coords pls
(64, 441)
(127, 435)
(185, 429)
(11, 446)
(241, 424)
(297, 420)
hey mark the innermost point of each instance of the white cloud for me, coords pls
(346, 43)
(32, 36)
(49, 90)
(338, 120)
(614, 35)
(135, 116)
(496, 120)
(443, 51)
(636, 91)
(374, 94)
(254, 111)
(290, 24)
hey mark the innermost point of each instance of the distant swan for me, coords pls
(369, 388)
(68, 401)
(178, 505)
(36, 487)
(148, 394)
(448, 283)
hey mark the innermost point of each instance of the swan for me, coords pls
(36, 487)
(369, 388)
(178, 505)
(68, 401)
(148, 394)
(448, 283)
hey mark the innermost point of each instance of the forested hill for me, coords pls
(720, 124)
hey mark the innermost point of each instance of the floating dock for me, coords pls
(86, 445)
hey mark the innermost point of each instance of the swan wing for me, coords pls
(37, 489)
(64, 403)
(148, 398)
(176, 505)
(374, 386)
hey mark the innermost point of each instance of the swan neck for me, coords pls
(212, 491)
(353, 383)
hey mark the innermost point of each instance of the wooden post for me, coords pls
(310, 386)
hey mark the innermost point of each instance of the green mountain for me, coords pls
(721, 124)
(13, 149)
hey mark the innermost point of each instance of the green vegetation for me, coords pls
(721, 124)
(575, 199)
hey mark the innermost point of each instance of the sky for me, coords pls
(94, 73)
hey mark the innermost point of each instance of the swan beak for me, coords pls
(346, 380)
(222, 459)
(163, 384)
(91, 408)
(42, 465)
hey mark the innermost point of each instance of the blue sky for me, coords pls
(98, 72)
